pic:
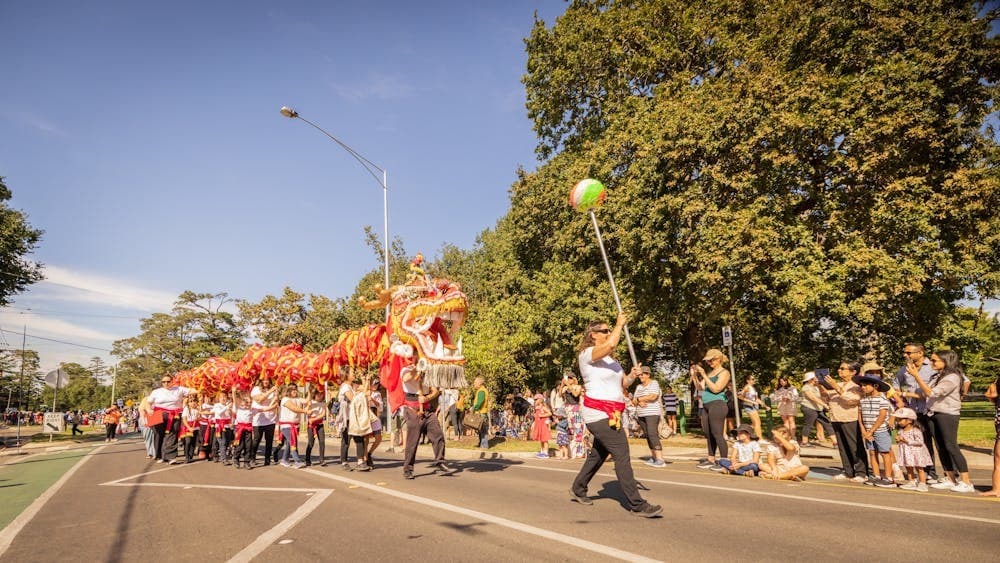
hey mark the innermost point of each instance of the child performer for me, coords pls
(913, 453)
(373, 440)
(316, 418)
(205, 428)
(288, 424)
(243, 434)
(222, 418)
(190, 418)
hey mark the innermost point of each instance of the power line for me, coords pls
(58, 341)
(69, 313)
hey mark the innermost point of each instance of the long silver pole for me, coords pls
(385, 226)
(20, 383)
(114, 380)
(614, 290)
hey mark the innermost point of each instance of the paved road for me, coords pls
(117, 505)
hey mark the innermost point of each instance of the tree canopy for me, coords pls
(818, 175)
(17, 240)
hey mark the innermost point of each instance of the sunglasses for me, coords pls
(602, 331)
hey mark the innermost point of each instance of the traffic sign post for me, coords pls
(727, 341)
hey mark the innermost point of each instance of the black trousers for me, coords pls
(316, 435)
(809, 419)
(925, 425)
(267, 432)
(713, 424)
(345, 446)
(945, 428)
(651, 427)
(418, 423)
(110, 431)
(608, 440)
(852, 448)
(166, 442)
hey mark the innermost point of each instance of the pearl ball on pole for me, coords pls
(372, 168)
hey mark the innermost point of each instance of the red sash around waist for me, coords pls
(294, 426)
(220, 425)
(171, 413)
(611, 408)
(241, 428)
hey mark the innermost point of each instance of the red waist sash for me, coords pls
(171, 413)
(241, 428)
(220, 425)
(611, 408)
(294, 426)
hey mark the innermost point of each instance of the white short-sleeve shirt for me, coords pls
(260, 416)
(169, 398)
(602, 380)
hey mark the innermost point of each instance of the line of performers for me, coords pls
(229, 427)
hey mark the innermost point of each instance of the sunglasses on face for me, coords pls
(602, 330)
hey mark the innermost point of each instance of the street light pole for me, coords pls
(372, 168)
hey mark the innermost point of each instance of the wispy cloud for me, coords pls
(69, 285)
(28, 119)
(376, 86)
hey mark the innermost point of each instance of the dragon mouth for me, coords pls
(436, 328)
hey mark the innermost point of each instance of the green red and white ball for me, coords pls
(587, 194)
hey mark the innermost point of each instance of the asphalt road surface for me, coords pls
(116, 505)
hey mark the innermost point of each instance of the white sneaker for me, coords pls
(909, 486)
(963, 488)
(858, 479)
(943, 485)
(840, 477)
(285, 464)
(922, 487)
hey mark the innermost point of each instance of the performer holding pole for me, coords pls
(603, 381)
(586, 196)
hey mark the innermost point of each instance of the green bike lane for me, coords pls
(24, 478)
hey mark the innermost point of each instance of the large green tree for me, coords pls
(17, 240)
(198, 327)
(818, 175)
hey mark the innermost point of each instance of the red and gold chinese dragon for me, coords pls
(425, 318)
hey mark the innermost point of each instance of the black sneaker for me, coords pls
(346, 466)
(706, 465)
(584, 499)
(885, 483)
(648, 511)
(444, 468)
(408, 475)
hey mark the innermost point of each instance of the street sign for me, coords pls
(121, 403)
(129, 403)
(57, 378)
(54, 422)
(727, 336)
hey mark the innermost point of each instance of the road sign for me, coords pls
(121, 403)
(129, 403)
(57, 378)
(54, 422)
(727, 336)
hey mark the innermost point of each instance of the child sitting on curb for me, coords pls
(745, 455)
(783, 461)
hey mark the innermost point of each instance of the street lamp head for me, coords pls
(288, 112)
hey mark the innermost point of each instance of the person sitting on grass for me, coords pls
(783, 461)
(745, 457)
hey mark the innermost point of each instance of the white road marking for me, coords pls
(136, 476)
(271, 536)
(11, 530)
(223, 487)
(778, 495)
(500, 521)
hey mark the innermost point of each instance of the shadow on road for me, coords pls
(121, 537)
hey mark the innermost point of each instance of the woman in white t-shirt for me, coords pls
(603, 403)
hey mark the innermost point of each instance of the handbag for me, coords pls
(664, 429)
(472, 420)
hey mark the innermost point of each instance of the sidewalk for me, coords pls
(817, 455)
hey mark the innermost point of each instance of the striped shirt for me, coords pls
(652, 408)
(670, 402)
(870, 407)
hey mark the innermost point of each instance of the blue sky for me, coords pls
(145, 139)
